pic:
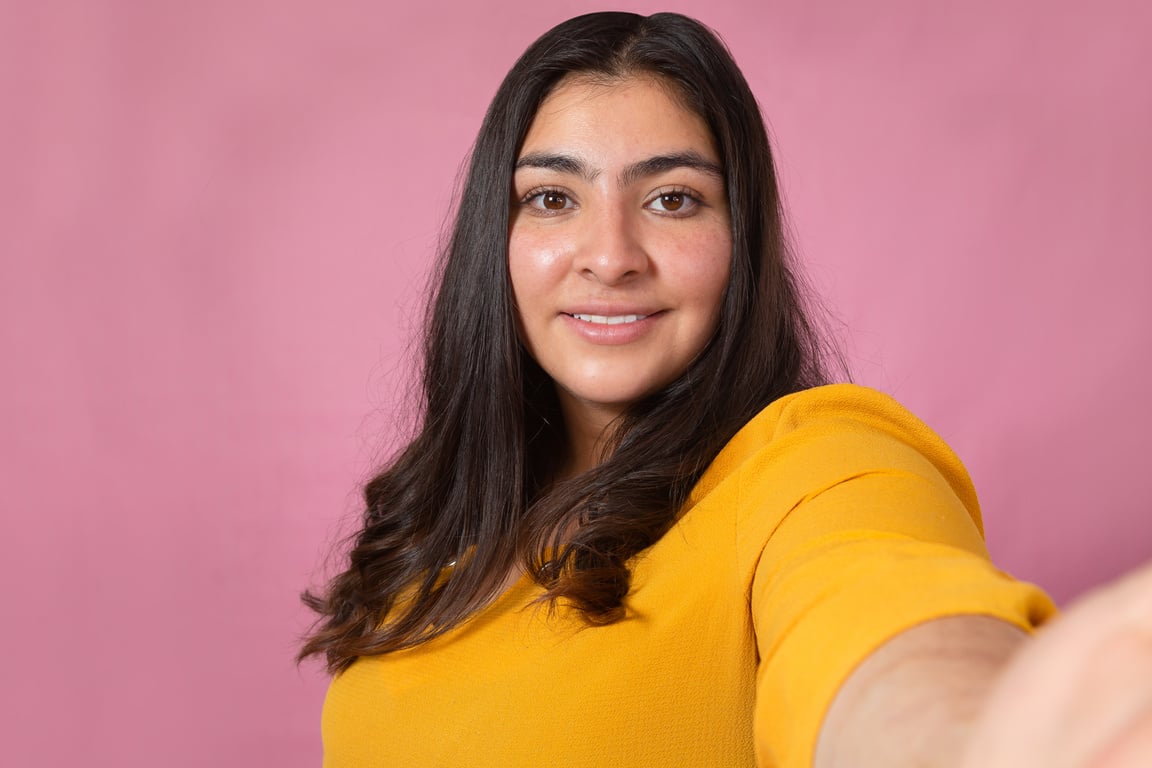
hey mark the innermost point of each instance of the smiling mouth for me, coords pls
(609, 319)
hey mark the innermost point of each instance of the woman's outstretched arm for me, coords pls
(976, 692)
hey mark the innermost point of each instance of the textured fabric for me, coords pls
(831, 522)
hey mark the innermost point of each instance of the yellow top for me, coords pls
(832, 521)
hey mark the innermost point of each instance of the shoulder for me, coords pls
(831, 412)
(809, 441)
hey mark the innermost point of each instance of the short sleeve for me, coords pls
(867, 525)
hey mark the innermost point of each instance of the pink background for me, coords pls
(217, 218)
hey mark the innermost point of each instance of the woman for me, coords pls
(633, 528)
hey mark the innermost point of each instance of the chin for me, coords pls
(613, 398)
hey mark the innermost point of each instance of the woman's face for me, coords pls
(620, 243)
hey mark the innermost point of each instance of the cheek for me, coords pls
(535, 264)
(536, 269)
(704, 270)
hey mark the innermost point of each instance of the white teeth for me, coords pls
(609, 320)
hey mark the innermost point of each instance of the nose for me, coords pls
(611, 250)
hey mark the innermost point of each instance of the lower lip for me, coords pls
(612, 334)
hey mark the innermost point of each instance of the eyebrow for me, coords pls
(648, 167)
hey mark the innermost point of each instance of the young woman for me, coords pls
(637, 526)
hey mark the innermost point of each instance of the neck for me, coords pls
(589, 428)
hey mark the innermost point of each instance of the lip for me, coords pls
(610, 309)
(612, 333)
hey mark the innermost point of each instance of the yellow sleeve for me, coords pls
(880, 531)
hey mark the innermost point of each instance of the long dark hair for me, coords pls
(472, 497)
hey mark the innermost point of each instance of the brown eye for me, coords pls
(554, 201)
(674, 203)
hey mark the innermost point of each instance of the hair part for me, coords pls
(472, 499)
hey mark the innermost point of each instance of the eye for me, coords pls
(548, 201)
(554, 201)
(675, 202)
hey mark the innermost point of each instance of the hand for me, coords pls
(1079, 695)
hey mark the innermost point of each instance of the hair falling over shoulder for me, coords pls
(471, 499)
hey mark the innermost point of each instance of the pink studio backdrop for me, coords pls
(217, 218)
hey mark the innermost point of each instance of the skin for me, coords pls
(974, 692)
(1080, 694)
(915, 700)
(619, 210)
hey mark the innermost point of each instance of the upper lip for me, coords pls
(610, 310)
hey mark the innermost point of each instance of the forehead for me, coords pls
(640, 114)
